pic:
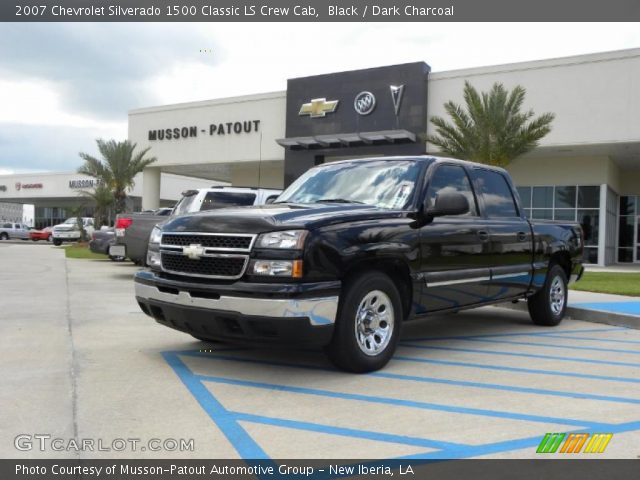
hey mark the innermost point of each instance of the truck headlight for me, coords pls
(292, 239)
(278, 268)
(156, 235)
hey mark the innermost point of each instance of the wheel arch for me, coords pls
(394, 268)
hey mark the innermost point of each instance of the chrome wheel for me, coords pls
(557, 295)
(374, 322)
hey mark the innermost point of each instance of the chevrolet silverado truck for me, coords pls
(351, 251)
(133, 229)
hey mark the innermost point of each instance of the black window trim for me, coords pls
(516, 199)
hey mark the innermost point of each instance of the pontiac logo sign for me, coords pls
(318, 107)
(396, 96)
(364, 103)
(193, 251)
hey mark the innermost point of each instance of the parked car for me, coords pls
(101, 240)
(10, 230)
(344, 264)
(44, 234)
(68, 231)
(133, 229)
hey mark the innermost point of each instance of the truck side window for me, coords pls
(496, 194)
(451, 178)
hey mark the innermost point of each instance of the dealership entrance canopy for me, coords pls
(587, 169)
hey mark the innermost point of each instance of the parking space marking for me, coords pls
(371, 398)
(348, 432)
(461, 383)
(228, 419)
(547, 345)
(228, 423)
(451, 363)
(515, 334)
(518, 354)
(589, 339)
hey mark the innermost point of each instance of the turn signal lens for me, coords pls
(278, 268)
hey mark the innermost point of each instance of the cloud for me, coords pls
(100, 70)
(51, 148)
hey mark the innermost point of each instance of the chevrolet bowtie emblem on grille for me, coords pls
(318, 107)
(193, 251)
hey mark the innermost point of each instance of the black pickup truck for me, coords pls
(352, 250)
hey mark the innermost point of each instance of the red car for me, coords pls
(44, 234)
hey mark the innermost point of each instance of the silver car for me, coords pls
(14, 230)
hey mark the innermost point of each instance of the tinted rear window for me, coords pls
(495, 191)
(215, 200)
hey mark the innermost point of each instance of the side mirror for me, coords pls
(449, 203)
(270, 200)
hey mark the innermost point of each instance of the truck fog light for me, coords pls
(278, 268)
(153, 259)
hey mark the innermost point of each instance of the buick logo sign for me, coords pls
(364, 103)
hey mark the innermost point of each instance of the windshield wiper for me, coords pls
(337, 200)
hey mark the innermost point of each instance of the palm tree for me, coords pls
(103, 199)
(117, 168)
(491, 129)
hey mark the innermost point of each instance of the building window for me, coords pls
(568, 203)
(627, 239)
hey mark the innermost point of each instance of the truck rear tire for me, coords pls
(548, 306)
(4, 236)
(368, 324)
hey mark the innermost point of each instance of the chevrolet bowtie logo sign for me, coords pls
(318, 107)
(193, 251)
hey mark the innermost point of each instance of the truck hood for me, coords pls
(265, 218)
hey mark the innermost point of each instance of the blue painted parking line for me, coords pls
(589, 339)
(347, 432)
(516, 334)
(524, 355)
(371, 398)
(534, 371)
(241, 441)
(547, 345)
(458, 383)
(625, 308)
(228, 420)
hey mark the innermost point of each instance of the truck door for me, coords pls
(511, 243)
(454, 249)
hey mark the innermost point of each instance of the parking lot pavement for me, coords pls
(82, 361)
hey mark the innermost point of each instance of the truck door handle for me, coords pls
(483, 235)
(522, 236)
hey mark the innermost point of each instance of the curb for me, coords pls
(587, 315)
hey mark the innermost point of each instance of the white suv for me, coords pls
(68, 231)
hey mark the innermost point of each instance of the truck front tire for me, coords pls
(57, 242)
(548, 306)
(368, 324)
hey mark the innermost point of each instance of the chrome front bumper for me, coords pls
(319, 311)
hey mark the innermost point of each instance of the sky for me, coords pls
(63, 85)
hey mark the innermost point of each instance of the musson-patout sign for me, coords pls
(217, 129)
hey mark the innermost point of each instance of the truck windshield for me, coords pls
(384, 184)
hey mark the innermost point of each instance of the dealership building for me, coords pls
(55, 195)
(587, 169)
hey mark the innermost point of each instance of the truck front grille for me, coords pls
(213, 240)
(212, 265)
